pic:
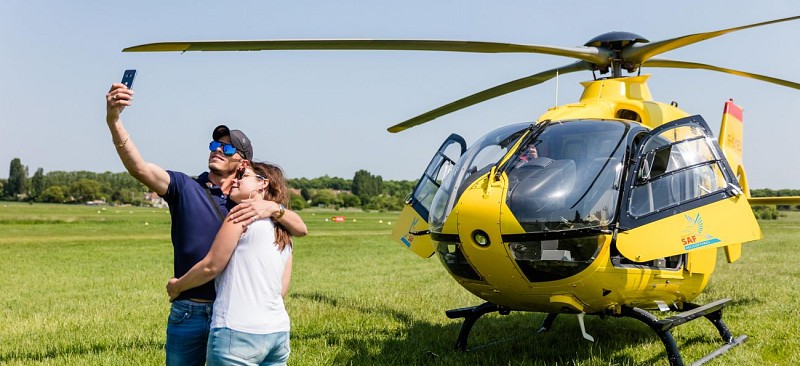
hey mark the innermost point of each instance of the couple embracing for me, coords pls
(230, 224)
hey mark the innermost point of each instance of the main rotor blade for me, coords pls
(591, 54)
(490, 93)
(694, 65)
(642, 52)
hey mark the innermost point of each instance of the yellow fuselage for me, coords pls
(602, 286)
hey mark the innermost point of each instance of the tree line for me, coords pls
(771, 212)
(365, 190)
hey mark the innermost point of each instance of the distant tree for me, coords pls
(349, 200)
(53, 194)
(17, 179)
(127, 196)
(298, 183)
(61, 178)
(85, 190)
(306, 194)
(766, 192)
(385, 203)
(38, 184)
(296, 202)
(765, 212)
(787, 192)
(366, 185)
(339, 184)
(324, 197)
(398, 188)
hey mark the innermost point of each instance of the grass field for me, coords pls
(84, 285)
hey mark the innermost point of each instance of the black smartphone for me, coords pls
(127, 78)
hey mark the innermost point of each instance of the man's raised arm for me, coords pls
(151, 175)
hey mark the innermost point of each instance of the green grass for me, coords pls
(83, 285)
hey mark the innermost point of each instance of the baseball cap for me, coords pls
(238, 139)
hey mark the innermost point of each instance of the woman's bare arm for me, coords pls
(213, 263)
(287, 276)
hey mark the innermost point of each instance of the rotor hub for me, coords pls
(616, 42)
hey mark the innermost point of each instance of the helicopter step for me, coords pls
(711, 311)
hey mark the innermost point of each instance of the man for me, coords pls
(197, 206)
(535, 154)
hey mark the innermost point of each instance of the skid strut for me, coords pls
(662, 327)
(471, 315)
(711, 311)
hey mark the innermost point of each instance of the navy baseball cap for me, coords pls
(238, 139)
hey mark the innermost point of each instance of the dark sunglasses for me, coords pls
(227, 149)
(240, 174)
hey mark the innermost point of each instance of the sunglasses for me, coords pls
(241, 174)
(227, 149)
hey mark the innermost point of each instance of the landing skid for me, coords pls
(471, 315)
(711, 311)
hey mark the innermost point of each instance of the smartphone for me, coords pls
(127, 78)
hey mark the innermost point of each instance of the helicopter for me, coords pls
(614, 205)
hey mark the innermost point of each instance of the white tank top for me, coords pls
(249, 288)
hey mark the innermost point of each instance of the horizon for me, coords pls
(325, 175)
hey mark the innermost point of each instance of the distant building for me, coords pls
(153, 199)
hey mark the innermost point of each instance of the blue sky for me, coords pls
(326, 112)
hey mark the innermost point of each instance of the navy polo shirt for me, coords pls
(195, 223)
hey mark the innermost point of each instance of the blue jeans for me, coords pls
(187, 332)
(229, 347)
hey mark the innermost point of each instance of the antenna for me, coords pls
(556, 86)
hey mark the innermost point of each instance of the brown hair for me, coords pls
(276, 191)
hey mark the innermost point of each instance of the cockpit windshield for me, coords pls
(476, 161)
(563, 176)
(567, 177)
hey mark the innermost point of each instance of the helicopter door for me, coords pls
(412, 225)
(681, 195)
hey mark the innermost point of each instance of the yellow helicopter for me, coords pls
(614, 205)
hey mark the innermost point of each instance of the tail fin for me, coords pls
(731, 132)
(730, 140)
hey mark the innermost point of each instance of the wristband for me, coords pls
(281, 211)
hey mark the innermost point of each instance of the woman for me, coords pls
(249, 325)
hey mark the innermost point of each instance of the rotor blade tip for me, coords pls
(159, 47)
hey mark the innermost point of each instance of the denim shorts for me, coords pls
(187, 332)
(230, 347)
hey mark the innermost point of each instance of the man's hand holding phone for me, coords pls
(127, 78)
(119, 96)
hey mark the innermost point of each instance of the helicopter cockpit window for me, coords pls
(568, 177)
(476, 162)
(439, 168)
(679, 165)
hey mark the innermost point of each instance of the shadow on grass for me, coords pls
(495, 340)
(745, 302)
